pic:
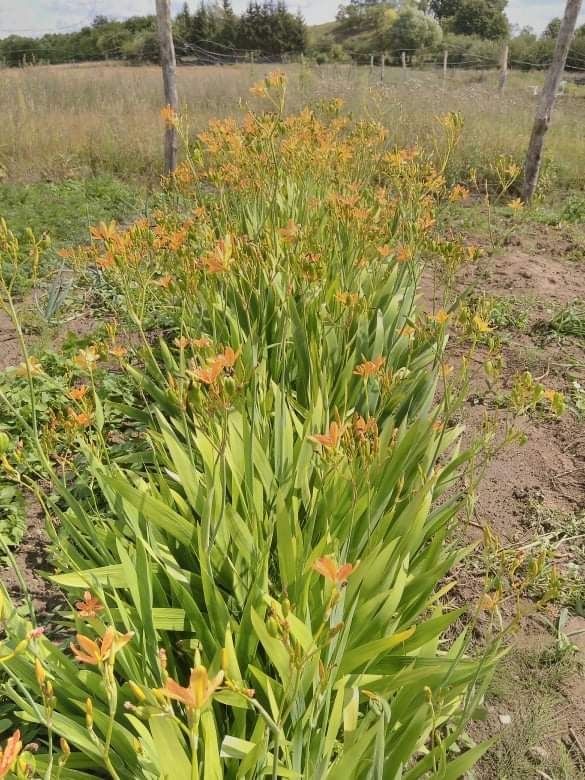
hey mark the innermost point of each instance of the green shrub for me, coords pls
(259, 583)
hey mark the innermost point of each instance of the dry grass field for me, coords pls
(67, 121)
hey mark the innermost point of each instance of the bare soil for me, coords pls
(538, 709)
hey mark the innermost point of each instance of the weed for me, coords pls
(570, 320)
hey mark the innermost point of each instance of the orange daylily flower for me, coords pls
(164, 281)
(384, 251)
(32, 365)
(105, 261)
(441, 317)
(89, 652)
(77, 393)
(182, 342)
(86, 358)
(329, 569)
(119, 351)
(83, 419)
(208, 374)
(404, 254)
(169, 116)
(199, 691)
(329, 440)
(481, 325)
(103, 231)
(290, 232)
(228, 357)
(369, 367)
(10, 753)
(258, 90)
(89, 607)
(202, 342)
(220, 257)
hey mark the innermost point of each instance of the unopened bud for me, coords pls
(4, 442)
(223, 659)
(285, 607)
(136, 690)
(65, 749)
(40, 673)
(272, 627)
(89, 713)
(229, 386)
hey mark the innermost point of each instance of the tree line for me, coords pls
(266, 28)
(471, 30)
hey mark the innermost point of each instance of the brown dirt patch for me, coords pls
(548, 471)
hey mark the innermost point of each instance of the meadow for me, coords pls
(289, 442)
(70, 121)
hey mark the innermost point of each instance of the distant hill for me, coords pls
(336, 37)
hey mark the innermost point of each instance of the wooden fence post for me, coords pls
(371, 65)
(445, 64)
(504, 68)
(169, 69)
(547, 99)
(382, 65)
(403, 59)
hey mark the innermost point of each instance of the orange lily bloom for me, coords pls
(369, 367)
(199, 691)
(77, 393)
(10, 753)
(209, 374)
(89, 607)
(329, 440)
(329, 569)
(90, 652)
(103, 231)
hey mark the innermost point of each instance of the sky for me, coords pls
(34, 17)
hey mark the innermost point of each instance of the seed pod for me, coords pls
(65, 749)
(285, 607)
(272, 627)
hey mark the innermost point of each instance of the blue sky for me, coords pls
(33, 17)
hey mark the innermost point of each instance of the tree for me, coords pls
(414, 30)
(444, 9)
(485, 18)
(552, 29)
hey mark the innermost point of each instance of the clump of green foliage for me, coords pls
(258, 580)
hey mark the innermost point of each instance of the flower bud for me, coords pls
(229, 386)
(65, 749)
(89, 713)
(40, 673)
(272, 627)
(285, 607)
(4, 443)
(136, 690)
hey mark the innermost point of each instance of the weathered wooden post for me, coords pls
(403, 59)
(445, 64)
(169, 69)
(547, 98)
(504, 67)
(371, 65)
(382, 65)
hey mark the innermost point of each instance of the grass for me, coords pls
(66, 209)
(77, 121)
(528, 687)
